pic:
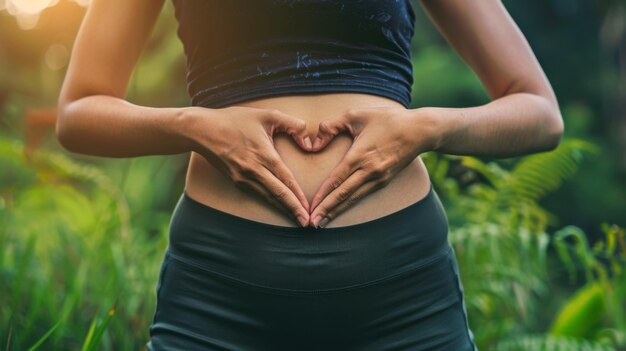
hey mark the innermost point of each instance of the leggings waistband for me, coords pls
(308, 259)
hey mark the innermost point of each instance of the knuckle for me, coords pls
(336, 183)
(279, 194)
(273, 112)
(351, 112)
(343, 194)
(300, 124)
(289, 184)
(272, 162)
(354, 199)
(325, 126)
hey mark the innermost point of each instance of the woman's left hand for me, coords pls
(386, 139)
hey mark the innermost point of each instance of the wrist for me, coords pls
(431, 127)
(185, 126)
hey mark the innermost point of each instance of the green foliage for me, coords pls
(80, 234)
(89, 230)
(85, 228)
(511, 199)
(542, 342)
(499, 233)
(581, 312)
(598, 309)
(96, 330)
(441, 79)
(69, 248)
(44, 337)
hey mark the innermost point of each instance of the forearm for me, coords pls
(108, 126)
(513, 125)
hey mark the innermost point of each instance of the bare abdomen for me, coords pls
(209, 186)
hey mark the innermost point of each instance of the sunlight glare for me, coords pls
(27, 21)
(29, 7)
(57, 56)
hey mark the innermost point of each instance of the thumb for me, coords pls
(296, 127)
(328, 129)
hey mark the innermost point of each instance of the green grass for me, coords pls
(82, 245)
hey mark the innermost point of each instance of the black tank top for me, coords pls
(239, 50)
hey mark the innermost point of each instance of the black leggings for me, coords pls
(231, 283)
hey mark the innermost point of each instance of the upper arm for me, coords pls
(107, 47)
(489, 41)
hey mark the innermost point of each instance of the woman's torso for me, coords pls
(207, 185)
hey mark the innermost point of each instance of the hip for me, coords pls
(309, 260)
(231, 283)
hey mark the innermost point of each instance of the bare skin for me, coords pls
(367, 164)
(309, 168)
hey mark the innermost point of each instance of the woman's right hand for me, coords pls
(239, 141)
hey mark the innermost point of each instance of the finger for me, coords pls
(276, 166)
(256, 186)
(271, 198)
(328, 129)
(341, 193)
(296, 127)
(329, 212)
(279, 192)
(341, 172)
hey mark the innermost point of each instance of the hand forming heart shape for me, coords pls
(385, 140)
(238, 141)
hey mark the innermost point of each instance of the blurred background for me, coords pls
(540, 239)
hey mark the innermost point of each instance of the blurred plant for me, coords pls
(598, 309)
(69, 246)
(499, 232)
(97, 328)
(542, 342)
(64, 221)
(43, 338)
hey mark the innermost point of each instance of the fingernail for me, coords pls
(303, 221)
(314, 221)
(317, 142)
(323, 222)
(307, 142)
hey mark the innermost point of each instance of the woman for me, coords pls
(308, 219)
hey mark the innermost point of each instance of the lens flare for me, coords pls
(28, 7)
(57, 56)
(27, 21)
